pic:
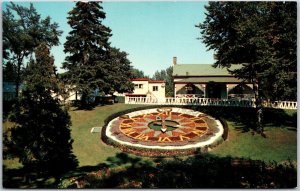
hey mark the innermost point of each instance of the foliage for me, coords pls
(41, 138)
(87, 46)
(9, 72)
(201, 171)
(255, 35)
(117, 73)
(136, 73)
(23, 31)
(259, 35)
(92, 64)
(167, 76)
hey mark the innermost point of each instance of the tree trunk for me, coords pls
(18, 78)
(83, 99)
(259, 114)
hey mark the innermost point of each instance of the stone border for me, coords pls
(137, 148)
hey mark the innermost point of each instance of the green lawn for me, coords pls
(280, 144)
(87, 146)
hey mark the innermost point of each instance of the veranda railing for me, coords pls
(210, 102)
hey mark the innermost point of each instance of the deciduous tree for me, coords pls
(23, 31)
(261, 36)
(167, 76)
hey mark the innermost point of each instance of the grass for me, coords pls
(280, 144)
(88, 147)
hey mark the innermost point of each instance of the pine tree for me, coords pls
(87, 45)
(118, 73)
(41, 138)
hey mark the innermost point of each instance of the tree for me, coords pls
(167, 76)
(136, 73)
(87, 45)
(118, 73)
(23, 31)
(41, 138)
(248, 33)
(9, 72)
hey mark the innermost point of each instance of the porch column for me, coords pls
(204, 89)
(175, 90)
(227, 90)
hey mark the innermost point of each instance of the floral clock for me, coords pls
(164, 129)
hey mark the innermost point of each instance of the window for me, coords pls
(155, 88)
(138, 86)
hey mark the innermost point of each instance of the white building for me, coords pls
(144, 87)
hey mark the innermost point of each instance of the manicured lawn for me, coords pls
(87, 146)
(280, 144)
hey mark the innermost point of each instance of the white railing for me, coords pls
(281, 104)
(209, 102)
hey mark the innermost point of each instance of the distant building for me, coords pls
(9, 91)
(205, 81)
(144, 87)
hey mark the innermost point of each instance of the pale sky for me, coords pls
(150, 32)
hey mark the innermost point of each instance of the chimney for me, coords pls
(174, 60)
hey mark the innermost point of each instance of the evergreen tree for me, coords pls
(23, 31)
(118, 73)
(166, 75)
(248, 33)
(136, 73)
(9, 71)
(41, 138)
(87, 46)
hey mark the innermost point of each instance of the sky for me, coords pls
(152, 33)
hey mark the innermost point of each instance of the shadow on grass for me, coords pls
(245, 118)
(23, 178)
(201, 171)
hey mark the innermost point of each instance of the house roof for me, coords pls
(156, 81)
(140, 79)
(208, 79)
(201, 70)
(146, 79)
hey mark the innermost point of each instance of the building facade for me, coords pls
(205, 81)
(144, 87)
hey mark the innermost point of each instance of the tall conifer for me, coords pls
(41, 138)
(87, 46)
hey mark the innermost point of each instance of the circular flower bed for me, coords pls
(163, 131)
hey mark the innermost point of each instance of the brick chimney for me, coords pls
(174, 60)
